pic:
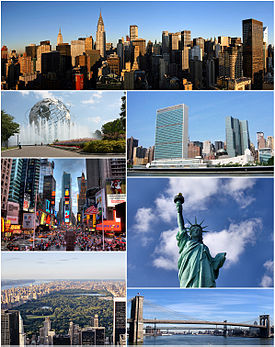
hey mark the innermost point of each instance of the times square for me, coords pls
(64, 205)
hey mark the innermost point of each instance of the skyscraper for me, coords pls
(66, 197)
(119, 321)
(59, 38)
(9, 327)
(133, 32)
(253, 64)
(171, 139)
(265, 35)
(237, 136)
(101, 37)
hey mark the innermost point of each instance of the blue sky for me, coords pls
(89, 110)
(237, 211)
(39, 20)
(207, 113)
(62, 265)
(235, 305)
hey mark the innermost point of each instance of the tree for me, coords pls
(113, 129)
(9, 127)
(123, 111)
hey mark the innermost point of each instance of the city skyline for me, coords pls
(206, 304)
(204, 110)
(136, 13)
(63, 266)
(237, 211)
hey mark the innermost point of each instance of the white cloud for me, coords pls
(269, 265)
(95, 119)
(144, 217)
(94, 98)
(167, 252)
(237, 188)
(266, 281)
(232, 241)
(198, 191)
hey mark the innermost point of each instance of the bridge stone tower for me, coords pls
(264, 320)
(136, 320)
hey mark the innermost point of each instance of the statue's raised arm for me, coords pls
(179, 200)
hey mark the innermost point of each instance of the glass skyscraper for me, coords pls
(237, 136)
(171, 139)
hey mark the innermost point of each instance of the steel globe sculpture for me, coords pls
(50, 120)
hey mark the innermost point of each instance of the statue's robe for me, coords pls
(196, 267)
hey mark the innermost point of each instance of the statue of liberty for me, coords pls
(196, 267)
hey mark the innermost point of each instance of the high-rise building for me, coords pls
(253, 64)
(59, 38)
(171, 139)
(44, 47)
(66, 197)
(270, 142)
(260, 140)
(6, 166)
(119, 321)
(77, 48)
(10, 327)
(82, 193)
(133, 32)
(29, 184)
(46, 169)
(165, 42)
(93, 336)
(15, 180)
(101, 37)
(265, 35)
(237, 136)
(131, 143)
(185, 38)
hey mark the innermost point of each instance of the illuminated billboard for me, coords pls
(116, 191)
(67, 216)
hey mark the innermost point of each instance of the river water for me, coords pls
(205, 340)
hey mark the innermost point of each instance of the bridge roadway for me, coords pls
(202, 322)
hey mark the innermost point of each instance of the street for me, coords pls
(62, 239)
(50, 152)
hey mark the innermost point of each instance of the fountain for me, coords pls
(49, 120)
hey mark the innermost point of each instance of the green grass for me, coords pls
(39, 317)
(6, 148)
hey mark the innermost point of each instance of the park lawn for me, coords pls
(39, 317)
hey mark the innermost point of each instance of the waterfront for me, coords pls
(206, 340)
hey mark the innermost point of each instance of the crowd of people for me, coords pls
(60, 239)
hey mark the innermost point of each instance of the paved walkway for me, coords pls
(50, 152)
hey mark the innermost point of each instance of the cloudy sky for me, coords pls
(234, 305)
(88, 109)
(62, 265)
(237, 211)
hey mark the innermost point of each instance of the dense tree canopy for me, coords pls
(9, 127)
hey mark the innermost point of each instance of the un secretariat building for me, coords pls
(172, 133)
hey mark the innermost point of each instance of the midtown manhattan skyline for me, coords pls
(139, 14)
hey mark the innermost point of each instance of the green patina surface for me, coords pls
(196, 267)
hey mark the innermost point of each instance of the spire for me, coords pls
(59, 37)
(100, 20)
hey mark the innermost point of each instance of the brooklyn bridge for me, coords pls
(137, 321)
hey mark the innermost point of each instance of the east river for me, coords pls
(205, 340)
